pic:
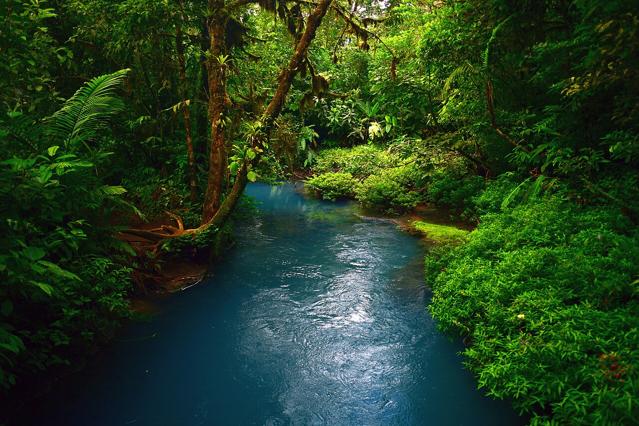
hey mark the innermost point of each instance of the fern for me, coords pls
(21, 128)
(529, 189)
(112, 190)
(514, 193)
(466, 69)
(87, 110)
(492, 40)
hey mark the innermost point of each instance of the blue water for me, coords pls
(317, 316)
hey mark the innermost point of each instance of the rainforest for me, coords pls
(319, 212)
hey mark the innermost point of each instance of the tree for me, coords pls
(215, 211)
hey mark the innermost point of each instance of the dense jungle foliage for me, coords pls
(518, 116)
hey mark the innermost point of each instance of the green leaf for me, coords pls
(19, 164)
(125, 247)
(234, 166)
(10, 341)
(251, 176)
(33, 253)
(44, 175)
(46, 288)
(56, 270)
(113, 190)
(52, 150)
(250, 154)
(87, 110)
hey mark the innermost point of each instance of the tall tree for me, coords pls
(220, 22)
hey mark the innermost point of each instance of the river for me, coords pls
(317, 316)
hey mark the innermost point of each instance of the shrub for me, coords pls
(360, 161)
(492, 197)
(453, 188)
(62, 270)
(391, 189)
(547, 294)
(62, 273)
(332, 186)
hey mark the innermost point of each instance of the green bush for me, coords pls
(492, 197)
(76, 315)
(391, 189)
(360, 161)
(388, 180)
(63, 280)
(453, 188)
(332, 186)
(548, 296)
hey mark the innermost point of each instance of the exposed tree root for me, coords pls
(159, 233)
(153, 273)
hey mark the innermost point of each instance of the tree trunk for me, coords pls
(231, 199)
(186, 109)
(274, 109)
(217, 96)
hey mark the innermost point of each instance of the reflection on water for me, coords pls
(316, 317)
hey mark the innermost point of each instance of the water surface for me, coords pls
(317, 316)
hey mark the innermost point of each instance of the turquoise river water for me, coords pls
(316, 317)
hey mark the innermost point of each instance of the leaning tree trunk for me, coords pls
(186, 110)
(286, 76)
(217, 99)
(273, 109)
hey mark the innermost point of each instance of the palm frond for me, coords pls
(87, 110)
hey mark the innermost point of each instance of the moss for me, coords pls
(440, 233)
